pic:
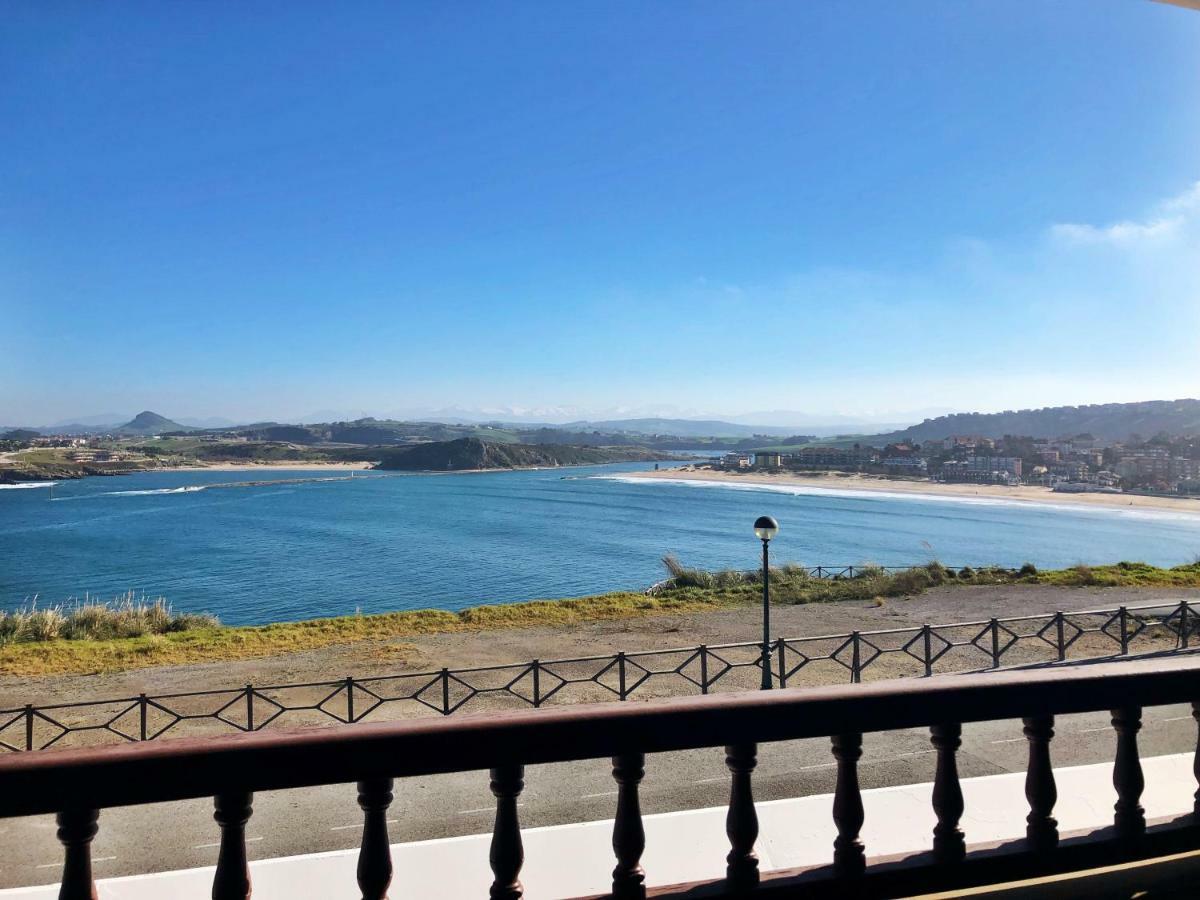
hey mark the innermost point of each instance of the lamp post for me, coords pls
(766, 528)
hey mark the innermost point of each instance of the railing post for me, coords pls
(445, 692)
(349, 698)
(1196, 762)
(249, 707)
(703, 669)
(1123, 616)
(507, 853)
(232, 811)
(741, 821)
(855, 651)
(629, 836)
(949, 845)
(537, 684)
(1041, 828)
(779, 645)
(621, 675)
(1184, 624)
(927, 635)
(28, 726)
(1061, 637)
(143, 703)
(995, 626)
(1129, 819)
(374, 853)
(76, 829)
(849, 858)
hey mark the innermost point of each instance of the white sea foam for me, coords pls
(25, 485)
(189, 489)
(868, 495)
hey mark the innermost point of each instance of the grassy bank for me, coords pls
(125, 635)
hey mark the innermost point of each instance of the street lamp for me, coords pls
(766, 528)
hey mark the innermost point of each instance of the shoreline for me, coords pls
(256, 466)
(867, 484)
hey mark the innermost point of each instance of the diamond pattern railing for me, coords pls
(918, 651)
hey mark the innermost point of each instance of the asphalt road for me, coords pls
(182, 835)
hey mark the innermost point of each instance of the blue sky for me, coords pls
(596, 208)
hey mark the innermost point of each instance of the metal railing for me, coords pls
(77, 784)
(918, 651)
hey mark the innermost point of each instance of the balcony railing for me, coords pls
(920, 650)
(77, 784)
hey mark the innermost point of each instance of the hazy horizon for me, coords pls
(553, 213)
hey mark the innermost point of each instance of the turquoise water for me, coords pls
(257, 554)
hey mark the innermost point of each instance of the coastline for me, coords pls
(822, 482)
(264, 466)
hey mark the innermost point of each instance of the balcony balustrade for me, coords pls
(78, 784)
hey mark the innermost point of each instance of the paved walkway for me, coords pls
(573, 860)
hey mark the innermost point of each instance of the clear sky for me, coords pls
(263, 210)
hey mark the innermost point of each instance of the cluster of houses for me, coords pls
(1076, 464)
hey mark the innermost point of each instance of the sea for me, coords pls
(253, 552)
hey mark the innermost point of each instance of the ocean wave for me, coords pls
(25, 485)
(853, 494)
(189, 489)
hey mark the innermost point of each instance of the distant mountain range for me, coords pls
(1108, 421)
(679, 427)
(143, 424)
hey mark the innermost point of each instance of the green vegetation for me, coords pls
(126, 616)
(1105, 421)
(135, 633)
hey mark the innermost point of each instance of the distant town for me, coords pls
(1080, 463)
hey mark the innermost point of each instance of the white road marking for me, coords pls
(602, 794)
(55, 865)
(1172, 719)
(1007, 741)
(829, 765)
(465, 812)
(218, 844)
(358, 825)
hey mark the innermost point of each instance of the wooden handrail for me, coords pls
(81, 781)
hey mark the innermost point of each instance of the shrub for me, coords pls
(1083, 574)
(1027, 570)
(966, 573)
(125, 616)
(937, 572)
(42, 625)
(682, 576)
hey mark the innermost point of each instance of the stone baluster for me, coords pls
(76, 829)
(1129, 819)
(232, 879)
(741, 822)
(507, 854)
(374, 853)
(629, 836)
(849, 858)
(949, 845)
(1041, 828)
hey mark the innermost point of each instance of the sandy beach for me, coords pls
(878, 484)
(266, 467)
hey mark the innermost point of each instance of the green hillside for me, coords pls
(1104, 421)
(472, 453)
